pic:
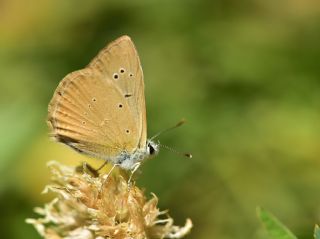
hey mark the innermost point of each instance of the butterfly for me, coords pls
(100, 110)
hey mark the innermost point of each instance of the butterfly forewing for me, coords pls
(119, 61)
(100, 110)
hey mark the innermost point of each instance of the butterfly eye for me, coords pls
(122, 70)
(151, 149)
(115, 76)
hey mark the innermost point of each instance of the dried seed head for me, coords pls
(88, 207)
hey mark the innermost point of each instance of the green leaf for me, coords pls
(316, 232)
(274, 227)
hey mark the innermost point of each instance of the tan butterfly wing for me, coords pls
(122, 61)
(97, 114)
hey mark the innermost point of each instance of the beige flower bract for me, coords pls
(88, 207)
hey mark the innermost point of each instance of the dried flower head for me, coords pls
(103, 206)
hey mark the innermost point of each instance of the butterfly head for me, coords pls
(129, 161)
(152, 148)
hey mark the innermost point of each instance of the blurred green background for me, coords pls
(245, 74)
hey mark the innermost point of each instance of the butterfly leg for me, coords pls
(106, 176)
(102, 166)
(87, 169)
(135, 168)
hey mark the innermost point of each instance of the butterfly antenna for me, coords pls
(181, 122)
(176, 151)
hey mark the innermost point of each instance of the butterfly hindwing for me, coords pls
(90, 114)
